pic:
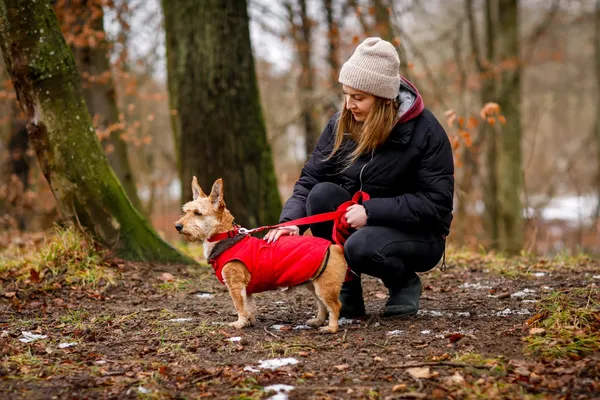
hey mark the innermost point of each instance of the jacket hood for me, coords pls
(410, 100)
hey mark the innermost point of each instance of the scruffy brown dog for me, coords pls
(207, 216)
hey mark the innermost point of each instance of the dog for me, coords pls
(206, 216)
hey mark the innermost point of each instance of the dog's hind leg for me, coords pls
(236, 276)
(250, 308)
(328, 286)
(322, 310)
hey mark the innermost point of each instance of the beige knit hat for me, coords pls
(373, 68)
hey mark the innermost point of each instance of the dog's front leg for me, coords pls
(236, 276)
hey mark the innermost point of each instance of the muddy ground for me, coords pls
(160, 332)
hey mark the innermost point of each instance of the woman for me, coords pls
(385, 143)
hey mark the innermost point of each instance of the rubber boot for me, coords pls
(351, 296)
(404, 298)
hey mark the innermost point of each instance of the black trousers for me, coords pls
(391, 254)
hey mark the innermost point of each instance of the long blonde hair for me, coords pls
(368, 134)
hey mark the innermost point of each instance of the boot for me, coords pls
(351, 296)
(404, 298)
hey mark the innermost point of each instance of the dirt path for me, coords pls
(155, 335)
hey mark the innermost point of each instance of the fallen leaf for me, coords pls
(399, 387)
(34, 276)
(535, 318)
(378, 358)
(419, 372)
(443, 357)
(341, 367)
(167, 277)
(8, 295)
(456, 337)
(381, 295)
(537, 331)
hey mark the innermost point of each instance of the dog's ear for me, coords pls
(196, 189)
(216, 195)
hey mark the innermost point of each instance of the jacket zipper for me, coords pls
(363, 168)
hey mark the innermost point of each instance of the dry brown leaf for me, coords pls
(167, 277)
(341, 367)
(537, 331)
(419, 372)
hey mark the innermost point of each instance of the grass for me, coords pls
(571, 325)
(65, 258)
(522, 266)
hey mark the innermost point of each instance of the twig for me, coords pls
(440, 363)
(310, 346)
(420, 389)
(369, 321)
(207, 377)
(344, 337)
(271, 333)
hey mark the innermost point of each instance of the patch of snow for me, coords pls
(508, 311)
(277, 327)
(100, 362)
(29, 337)
(523, 293)
(143, 390)
(596, 276)
(346, 321)
(281, 391)
(529, 301)
(235, 339)
(218, 323)
(250, 369)
(546, 288)
(277, 363)
(433, 313)
(394, 332)
(539, 274)
(427, 332)
(477, 285)
(205, 295)
(4, 334)
(65, 345)
(464, 314)
(376, 324)
(280, 302)
(180, 319)
(298, 327)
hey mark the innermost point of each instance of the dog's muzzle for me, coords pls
(179, 226)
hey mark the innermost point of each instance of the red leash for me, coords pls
(341, 229)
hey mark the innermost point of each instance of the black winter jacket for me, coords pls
(410, 177)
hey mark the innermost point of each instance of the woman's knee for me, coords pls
(361, 248)
(325, 197)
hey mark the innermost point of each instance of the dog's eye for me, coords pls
(198, 213)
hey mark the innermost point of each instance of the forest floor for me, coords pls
(76, 325)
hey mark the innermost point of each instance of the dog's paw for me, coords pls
(314, 322)
(239, 324)
(328, 329)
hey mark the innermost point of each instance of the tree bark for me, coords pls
(100, 94)
(510, 183)
(597, 47)
(333, 35)
(48, 87)
(223, 133)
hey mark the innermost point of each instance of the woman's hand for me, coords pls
(356, 216)
(274, 234)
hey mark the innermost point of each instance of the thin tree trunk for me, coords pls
(222, 126)
(383, 28)
(597, 43)
(333, 35)
(510, 184)
(48, 87)
(174, 69)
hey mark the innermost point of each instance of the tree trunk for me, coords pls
(223, 133)
(382, 10)
(99, 93)
(597, 43)
(169, 13)
(333, 35)
(510, 181)
(48, 88)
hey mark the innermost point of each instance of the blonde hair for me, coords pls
(368, 134)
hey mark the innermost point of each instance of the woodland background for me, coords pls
(514, 83)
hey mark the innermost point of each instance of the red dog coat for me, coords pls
(290, 261)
